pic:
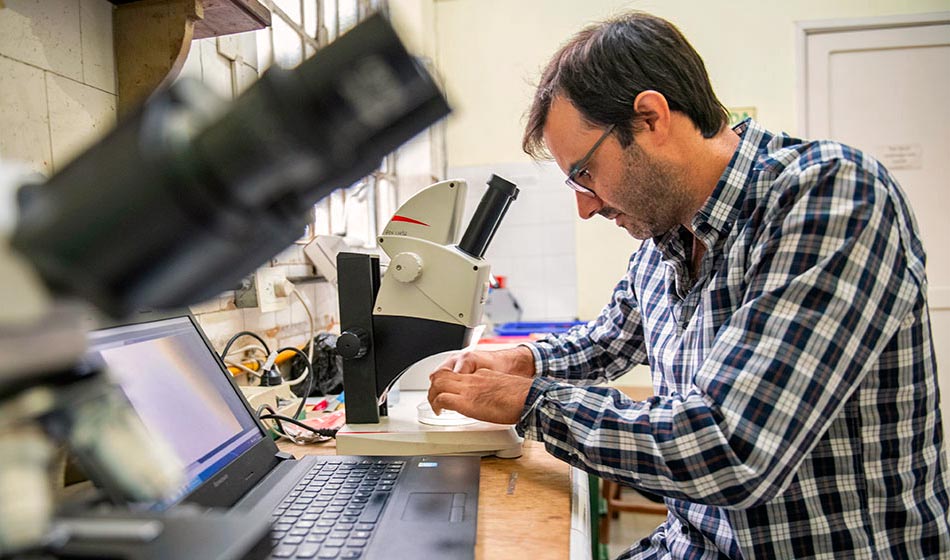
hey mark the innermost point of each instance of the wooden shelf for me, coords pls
(224, 17)
(153, 37)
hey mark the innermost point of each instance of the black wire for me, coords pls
(310, 375)
(317, 381)
(239, 335)
(277, 417)
(318, 431)
(273, 413)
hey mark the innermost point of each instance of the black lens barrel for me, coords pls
(491, 209)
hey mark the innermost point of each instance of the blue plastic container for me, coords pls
(528, 328)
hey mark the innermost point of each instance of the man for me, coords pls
(779, 299)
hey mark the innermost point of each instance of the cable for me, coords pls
(276, 417)
(303, 376)
(305, 302)
(243, 367)
(248, 348)
(242, 350)
(318, 431)
(279, 429)
(309, 372)
(288, 288)
(239, 335)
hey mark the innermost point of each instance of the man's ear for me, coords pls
(653, 112)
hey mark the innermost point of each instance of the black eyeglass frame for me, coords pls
(581, 165)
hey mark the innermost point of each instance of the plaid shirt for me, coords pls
(796, 410)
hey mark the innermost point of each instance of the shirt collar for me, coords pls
(720, 210)
(722, 207)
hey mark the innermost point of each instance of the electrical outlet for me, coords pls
(269, 298)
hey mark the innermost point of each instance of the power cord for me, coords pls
(288, 289)
(303, 399)
(244, 368)
(278, 418)
(227, 346)
(272, 414)
(242, 351)
(318, 431)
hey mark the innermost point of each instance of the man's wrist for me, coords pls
(527, 425)
(521, 360)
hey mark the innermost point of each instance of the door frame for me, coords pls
(939, 296)
(814, 27)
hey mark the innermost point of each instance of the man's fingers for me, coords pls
(443, 376)
(448, 401)
(465, 362)
(462, 362)
(449, 363)
(443, 382)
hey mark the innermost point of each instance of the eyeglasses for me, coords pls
(580, 168)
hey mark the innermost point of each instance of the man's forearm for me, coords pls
(519, 361)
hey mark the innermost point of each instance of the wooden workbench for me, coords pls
(532, 521)
(535, 519)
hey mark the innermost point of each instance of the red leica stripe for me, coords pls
(398, 218)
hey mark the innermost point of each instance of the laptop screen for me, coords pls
(175, 383)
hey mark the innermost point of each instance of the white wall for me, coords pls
(490, 54)
(533, 249)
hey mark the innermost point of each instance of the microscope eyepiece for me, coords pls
(491, 209)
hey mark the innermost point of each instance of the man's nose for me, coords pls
(587, 206)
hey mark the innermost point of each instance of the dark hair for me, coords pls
(603, 68)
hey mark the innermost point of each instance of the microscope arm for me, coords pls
(430, 300)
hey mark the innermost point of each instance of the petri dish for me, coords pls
(425, 415)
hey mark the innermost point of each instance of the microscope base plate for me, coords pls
(401, 433)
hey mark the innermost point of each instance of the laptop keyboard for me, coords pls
(333, 510)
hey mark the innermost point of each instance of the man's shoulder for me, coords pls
(777, 153)
(791, 159)
(817, 176)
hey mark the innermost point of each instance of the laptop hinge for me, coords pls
(283, 456)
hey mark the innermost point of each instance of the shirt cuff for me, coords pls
(527, 425)
(538, 358)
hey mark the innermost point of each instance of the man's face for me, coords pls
(640, 193)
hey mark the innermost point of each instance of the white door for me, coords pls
(883, 86)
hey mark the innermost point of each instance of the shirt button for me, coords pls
(645, 543)
(685, 529)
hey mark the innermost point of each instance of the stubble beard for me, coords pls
(652, 196)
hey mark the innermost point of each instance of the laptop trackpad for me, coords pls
(445, 507)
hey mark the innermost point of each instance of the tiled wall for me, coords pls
(57, 79)
(229, 65)
(220, 319)
(58, 95)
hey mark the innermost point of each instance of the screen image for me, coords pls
(179, 390)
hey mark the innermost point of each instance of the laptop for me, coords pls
(321, 506)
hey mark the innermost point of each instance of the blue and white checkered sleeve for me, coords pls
(828, 285)
(602, 349)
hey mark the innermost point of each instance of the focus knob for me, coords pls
(352, 344)
(406, 267)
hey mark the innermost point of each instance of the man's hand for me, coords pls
(513, 361)
(483, 394)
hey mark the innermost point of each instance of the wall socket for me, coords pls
(270, 297)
